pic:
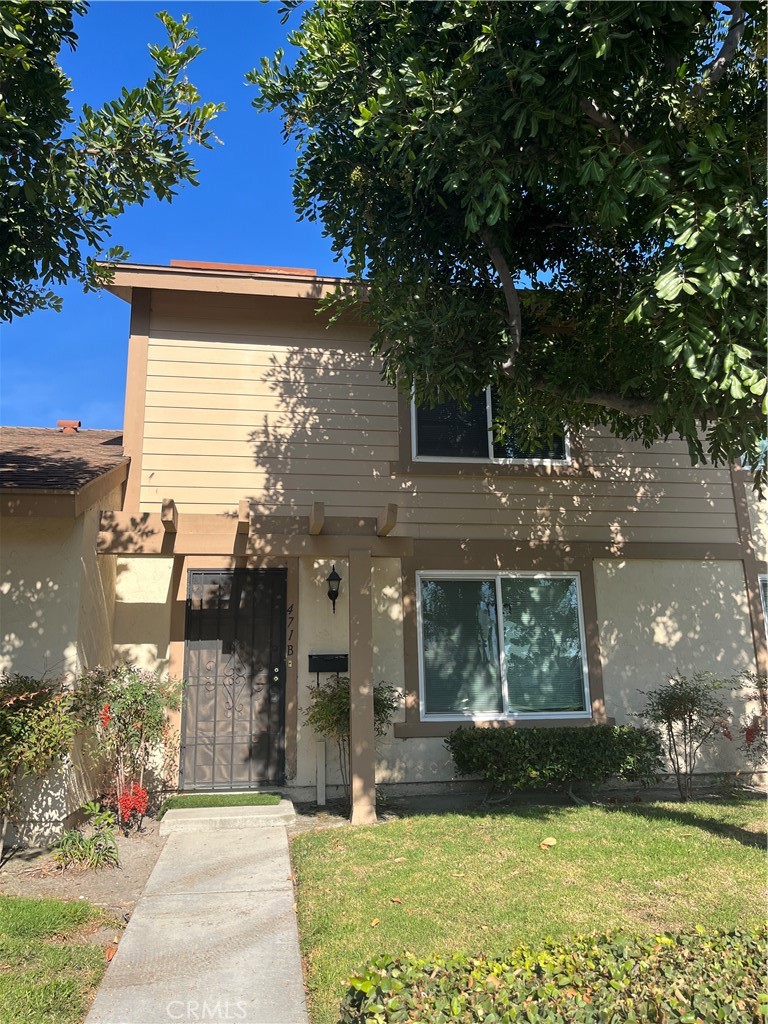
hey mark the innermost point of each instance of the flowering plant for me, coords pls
(754, 725)
(129, 709)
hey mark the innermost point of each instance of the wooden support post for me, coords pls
(169, 516)
(362, 752)
(244, 516)
(387, 520)
(316, 518)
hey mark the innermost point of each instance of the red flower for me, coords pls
(133, 800)
(104, 716)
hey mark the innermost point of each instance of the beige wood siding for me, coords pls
(254, 398)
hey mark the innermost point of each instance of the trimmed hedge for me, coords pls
(520, 758)
(666, 979)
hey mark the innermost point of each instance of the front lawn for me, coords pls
(481, 883)
(175, 803)
(48, 970)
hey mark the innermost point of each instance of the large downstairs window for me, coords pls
(451, 433)
(501, 645)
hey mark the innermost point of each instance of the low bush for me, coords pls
(688, 711)
(96, 848)
(665, 979)
(37, 727)
(511, 759)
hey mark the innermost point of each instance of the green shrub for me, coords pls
(665, 978)
(328, 715)
(511, 759)
(37, 727)
(688, 711)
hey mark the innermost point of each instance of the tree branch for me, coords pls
(607, 400)
(514, 315)
(727, 52)
(627, 144)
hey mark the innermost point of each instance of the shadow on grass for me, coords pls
(690, 817)
(548, 807)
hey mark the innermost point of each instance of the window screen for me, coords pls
(460, 647)
(542, 644)
(449, 430)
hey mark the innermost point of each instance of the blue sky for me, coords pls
(71, 365)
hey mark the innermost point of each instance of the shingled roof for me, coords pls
(35, 461)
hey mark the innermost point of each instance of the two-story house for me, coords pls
(487, 584)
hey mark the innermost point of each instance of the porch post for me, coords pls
(362, 754)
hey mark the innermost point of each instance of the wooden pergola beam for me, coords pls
(169, 516)
(316, 518)
(387, 520)
(244, 516)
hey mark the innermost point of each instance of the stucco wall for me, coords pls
(97, 594)
(142, 621)
(322, 632)
(56, 609)
(658, 618)
(40, 595)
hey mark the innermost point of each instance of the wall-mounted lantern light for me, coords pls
(333, 581)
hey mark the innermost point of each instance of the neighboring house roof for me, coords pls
(51, 473)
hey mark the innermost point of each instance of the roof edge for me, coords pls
(278, 283)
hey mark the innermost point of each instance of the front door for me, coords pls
(234, 696)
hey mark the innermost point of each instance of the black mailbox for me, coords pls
(328, 663)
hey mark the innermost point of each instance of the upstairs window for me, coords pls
(451, 432)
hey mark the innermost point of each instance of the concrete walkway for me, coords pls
(213, 938)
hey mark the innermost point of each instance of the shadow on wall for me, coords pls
(39, 597)
(50, 801)
(333, 433)
(664, 618)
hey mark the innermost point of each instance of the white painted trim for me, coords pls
(490, 460)
(507, 714)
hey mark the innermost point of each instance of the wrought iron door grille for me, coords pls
(233, 723)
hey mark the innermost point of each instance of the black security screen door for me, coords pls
(234, 696)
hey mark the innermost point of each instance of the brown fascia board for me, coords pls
(283, 284)
(50, 503)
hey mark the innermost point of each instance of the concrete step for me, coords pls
(215, 819)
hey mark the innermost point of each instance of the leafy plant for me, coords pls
(510, 759)
(37, 727)
(95, 849)
(669, 978)
(754, 728)
(328, 715)
(688, 710)
(611, 156)
(65, 179)
(128, 707)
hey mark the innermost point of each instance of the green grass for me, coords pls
(219, 800)
(45, 979)
(480, 882)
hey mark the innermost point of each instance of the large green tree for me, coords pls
(63, 181)
(563, 200)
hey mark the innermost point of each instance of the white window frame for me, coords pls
(506, 713)
(762, 583)
(491, 458)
